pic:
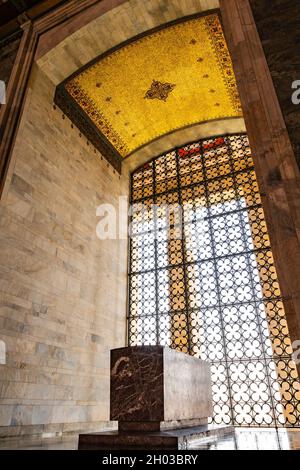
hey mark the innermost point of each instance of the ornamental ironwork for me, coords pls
(205, 283)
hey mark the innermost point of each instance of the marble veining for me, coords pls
(146, 381)
(137, 384)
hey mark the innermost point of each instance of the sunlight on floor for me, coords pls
(255, 439)
(241, 439)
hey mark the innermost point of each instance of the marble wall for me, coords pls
(62, 290)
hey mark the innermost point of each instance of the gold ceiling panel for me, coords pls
(172, 78)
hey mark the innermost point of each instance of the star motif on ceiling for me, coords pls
(159, 90)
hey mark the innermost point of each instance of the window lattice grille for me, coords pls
(213, 292)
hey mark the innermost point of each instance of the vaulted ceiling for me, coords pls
(173, 77)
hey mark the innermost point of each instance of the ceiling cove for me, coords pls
(172, 77)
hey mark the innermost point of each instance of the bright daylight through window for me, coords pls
(203, 280)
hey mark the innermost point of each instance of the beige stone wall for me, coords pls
(62, 290)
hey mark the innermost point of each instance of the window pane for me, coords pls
(206, 284)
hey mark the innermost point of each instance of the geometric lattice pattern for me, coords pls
(203, 280)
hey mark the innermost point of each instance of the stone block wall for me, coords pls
(62, 290)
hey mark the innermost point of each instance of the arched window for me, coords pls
(202, 278)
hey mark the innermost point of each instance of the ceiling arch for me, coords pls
(181, 137)
(117, 27)
(75, 43)
(173, 77)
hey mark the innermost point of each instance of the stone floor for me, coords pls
(241, 439)
(254, 439)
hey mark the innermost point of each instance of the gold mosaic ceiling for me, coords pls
(172, 78)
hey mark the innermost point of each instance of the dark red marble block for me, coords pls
(158, 384)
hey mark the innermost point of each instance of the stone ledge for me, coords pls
(177, 439)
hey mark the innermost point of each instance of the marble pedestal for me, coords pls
(159, 397)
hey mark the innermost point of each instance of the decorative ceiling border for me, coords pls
(85, 125)
(79, 117)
